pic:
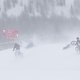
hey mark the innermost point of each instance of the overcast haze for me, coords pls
(46, 19)
(43, 30)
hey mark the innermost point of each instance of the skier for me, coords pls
(76, 44)
(16, 48)
(78, 41)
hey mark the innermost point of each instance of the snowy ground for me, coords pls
(47, 62)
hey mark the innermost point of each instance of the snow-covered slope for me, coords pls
(47, 62)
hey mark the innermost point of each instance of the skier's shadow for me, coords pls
(18, 55)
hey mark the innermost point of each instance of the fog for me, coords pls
(57, 29)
